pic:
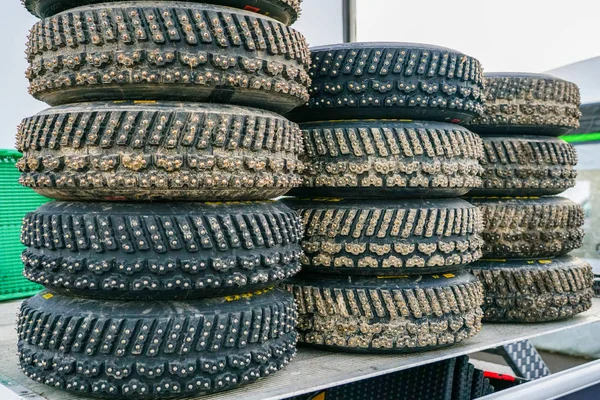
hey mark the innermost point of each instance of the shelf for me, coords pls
(313, 370)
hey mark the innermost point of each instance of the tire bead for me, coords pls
(155, 350)
(392, 81)
(386, 315)
(160, 250)
(160, 151)
(355, 159)
(535, 290)
(167, 51)
(358, 237)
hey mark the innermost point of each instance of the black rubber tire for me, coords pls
(528, 104)
(164, 151)
(167, 50)
(388, 237)
(383, 159)
(378, 314)
(285, 11)
(530, 227)
(155, 350)
(534, 290)
(392, 81)
(477, 384)
(160, 250)
(526, 166)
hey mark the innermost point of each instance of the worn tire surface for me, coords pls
(166, 151)
(378, 314)
(526, 166)
(384, 159)
(285, 11)
(392, 80)
(155, 350)
(388, 237)
(534, 290)
(530, 227)
(165, 50)
(160, 250)
(528, 104)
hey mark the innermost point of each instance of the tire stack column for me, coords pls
(161, 258)
(386, 238)
(526, 271)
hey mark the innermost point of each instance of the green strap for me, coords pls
(582, 137)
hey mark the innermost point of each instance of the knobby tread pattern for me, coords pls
(386, 157)
(388, 237)
(171, 350)
(532, 103)
(535, 291)
(530, 227)
(526, 165)
(153, 250)
(285, 11)
(131, 151)
(392, 80)
(168, 50)
(386, 315)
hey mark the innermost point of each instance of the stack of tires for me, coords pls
(526, 272)
(161, 299)
(386, 239)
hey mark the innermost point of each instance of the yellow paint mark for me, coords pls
(144, 102)
(449, 276)
(545, 262)
(236, 297)
(48, 296)
(530, 262)
(320, 396)
(393, 277)
(436, 276)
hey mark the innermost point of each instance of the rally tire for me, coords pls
(165, 50)
(160, 250)
(392, 81)
(388, 237)
(369, 314)
(155, 350)
(159, 151)
(535, 290)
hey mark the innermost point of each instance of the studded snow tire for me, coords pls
(388, 237)
(528, 104)
(392, 81)
(155, 350)
(173, 151)
(387, 314)
(355, 159)
(526, 166)
(165, 50)
(530, 227)
(285, 11)
(160, 250)
(535, 290)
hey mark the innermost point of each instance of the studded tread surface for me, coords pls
(398, 314)
(154, 350)
(165, 50)
(530, 227)
(529, 104)
(385, 237)
(104, 151)
(160, 250)
(392, 80)
(389, 159)
(526, 166)
(285, 11)
(535, 290)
